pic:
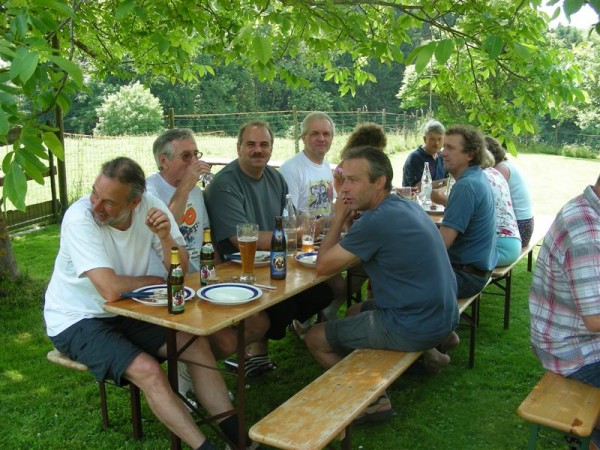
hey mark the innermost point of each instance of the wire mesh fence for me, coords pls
(216, 135)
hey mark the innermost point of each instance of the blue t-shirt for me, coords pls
(413, 167)
(471, 212)
(412, 280)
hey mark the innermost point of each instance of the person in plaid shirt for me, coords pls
(565, 293)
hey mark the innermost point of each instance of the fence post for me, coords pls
(296, 131)
(171, 118)
(383, 119)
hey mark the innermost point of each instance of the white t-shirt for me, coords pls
(195, 218)
(310, 184)
(85, 245)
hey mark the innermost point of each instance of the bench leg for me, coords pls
(103, 407)
(533, 435)
(473, 328)
(347, 441)
(136, 411)
(507, 290)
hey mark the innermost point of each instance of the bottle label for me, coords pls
(278, 264)
(178, 297)
(207, 272)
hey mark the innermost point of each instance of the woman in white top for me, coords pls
(519, 191)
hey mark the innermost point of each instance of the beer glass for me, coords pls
(247, 236)
(308, 225)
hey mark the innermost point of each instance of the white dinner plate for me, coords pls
(261, 258)
(437, 209)
(229, 293)
(308, 259)
(161, 291)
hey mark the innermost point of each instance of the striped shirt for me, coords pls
(566, 287)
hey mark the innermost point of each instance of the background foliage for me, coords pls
(133, 110)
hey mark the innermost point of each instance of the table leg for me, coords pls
(172, 375)
(241, 384)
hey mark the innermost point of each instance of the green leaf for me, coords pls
(15, 186)
(572, 6)
(54, 145)
(4, 125)
(24, 65)
(493, 46)
(263, 48)
(443, 50)
(70, 67)
(423, 56)
(124, 9)
(60, 7)
(516, 128)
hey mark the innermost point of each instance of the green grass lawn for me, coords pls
(47, 406)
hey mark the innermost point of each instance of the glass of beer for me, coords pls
(309, 224)
(247, 236)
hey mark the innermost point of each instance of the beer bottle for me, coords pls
(278, 251)
(175, 290)
(207, 259)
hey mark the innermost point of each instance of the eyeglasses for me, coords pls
(187, 156)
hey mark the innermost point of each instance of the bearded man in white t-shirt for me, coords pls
(107, 239)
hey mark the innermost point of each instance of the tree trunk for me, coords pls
(8, 265)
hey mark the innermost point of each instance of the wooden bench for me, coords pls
(502, 276)
(326, 408)
(472, 319)
(59, 358)
(568, 406)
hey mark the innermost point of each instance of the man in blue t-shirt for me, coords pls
(469, 225)
(414, 304)
(429, 151)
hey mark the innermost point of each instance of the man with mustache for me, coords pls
(247, 190)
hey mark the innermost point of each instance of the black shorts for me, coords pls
(107, 346)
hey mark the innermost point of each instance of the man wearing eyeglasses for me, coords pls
(176, 184)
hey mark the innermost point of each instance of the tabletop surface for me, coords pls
(203, 318)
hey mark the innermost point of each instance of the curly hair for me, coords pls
(367, 133)
(495, 149)
(474, 142)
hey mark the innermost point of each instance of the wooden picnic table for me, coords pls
(202, 318)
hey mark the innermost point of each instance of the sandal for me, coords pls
(255, 365)
(380, 409)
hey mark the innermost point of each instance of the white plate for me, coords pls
(439, 209)
(308, 259)
(261, 258)
(229, 293)
(160, 289)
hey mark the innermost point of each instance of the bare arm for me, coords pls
(264, 240)
(504, 170)
(448, 235)
(110, 285)
(159, 223)
(332, 256)
(592, 323)
(178, 202)
(439, 196)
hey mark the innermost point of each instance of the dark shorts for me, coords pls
(367, 330)
(107, 346)
(300, 307)
(525, 230)
(589, 374)
(469, 284)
